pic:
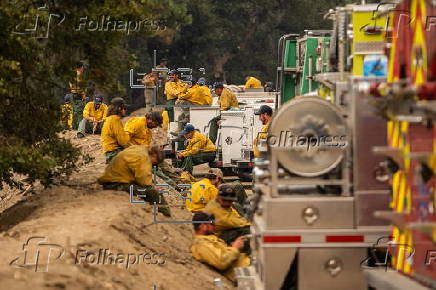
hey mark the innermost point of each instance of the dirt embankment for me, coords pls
(89, 235)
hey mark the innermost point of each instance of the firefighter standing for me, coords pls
(173, 89)
(79, 99)
(226, 101)
(150, 82)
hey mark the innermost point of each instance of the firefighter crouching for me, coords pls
(131, 170)
(94, 114)
(204, 190)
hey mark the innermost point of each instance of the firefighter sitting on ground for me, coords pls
(230, 223)
(173, 89)
(252, 82)
(226, 101)
(113, 137)
(204, 190)
(265, 116)
(94, 115)
(210, 249)
(199, 149)
(131, 170)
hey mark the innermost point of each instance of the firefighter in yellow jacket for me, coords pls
(210, 249)
(139, 128)
(265, 116)
(230, 222)
(113, 137)
(67, 112)
(226, 98)
(197, 95)
(199, 150)
(204, 190)
(94, 114)
(174, 88)
(226, 101)
(252, 82)
(131, 171)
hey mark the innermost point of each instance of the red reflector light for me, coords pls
(250, 164)
(344, 239)
(373, 30)
(219, 163)
(269, 101)
(282, 239)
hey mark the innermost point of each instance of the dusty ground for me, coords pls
(78, 218)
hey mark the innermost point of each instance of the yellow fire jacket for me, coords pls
(78, 84)
(263, 134)
(131, 165)
(227, 100)
(67, 115)
(201, 193)
(197, 144)
(113, 135)
(253, 83)
(165, 120)
(138, 131)
(225, 219)
(173, 90)
(214, 251)
(90, 111)
(198, 95)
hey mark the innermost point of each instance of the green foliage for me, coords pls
(35, 71)
(233, 39)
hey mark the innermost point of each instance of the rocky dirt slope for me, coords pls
(77, 220)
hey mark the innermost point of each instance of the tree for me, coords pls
(37, 64)
(233, 39)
